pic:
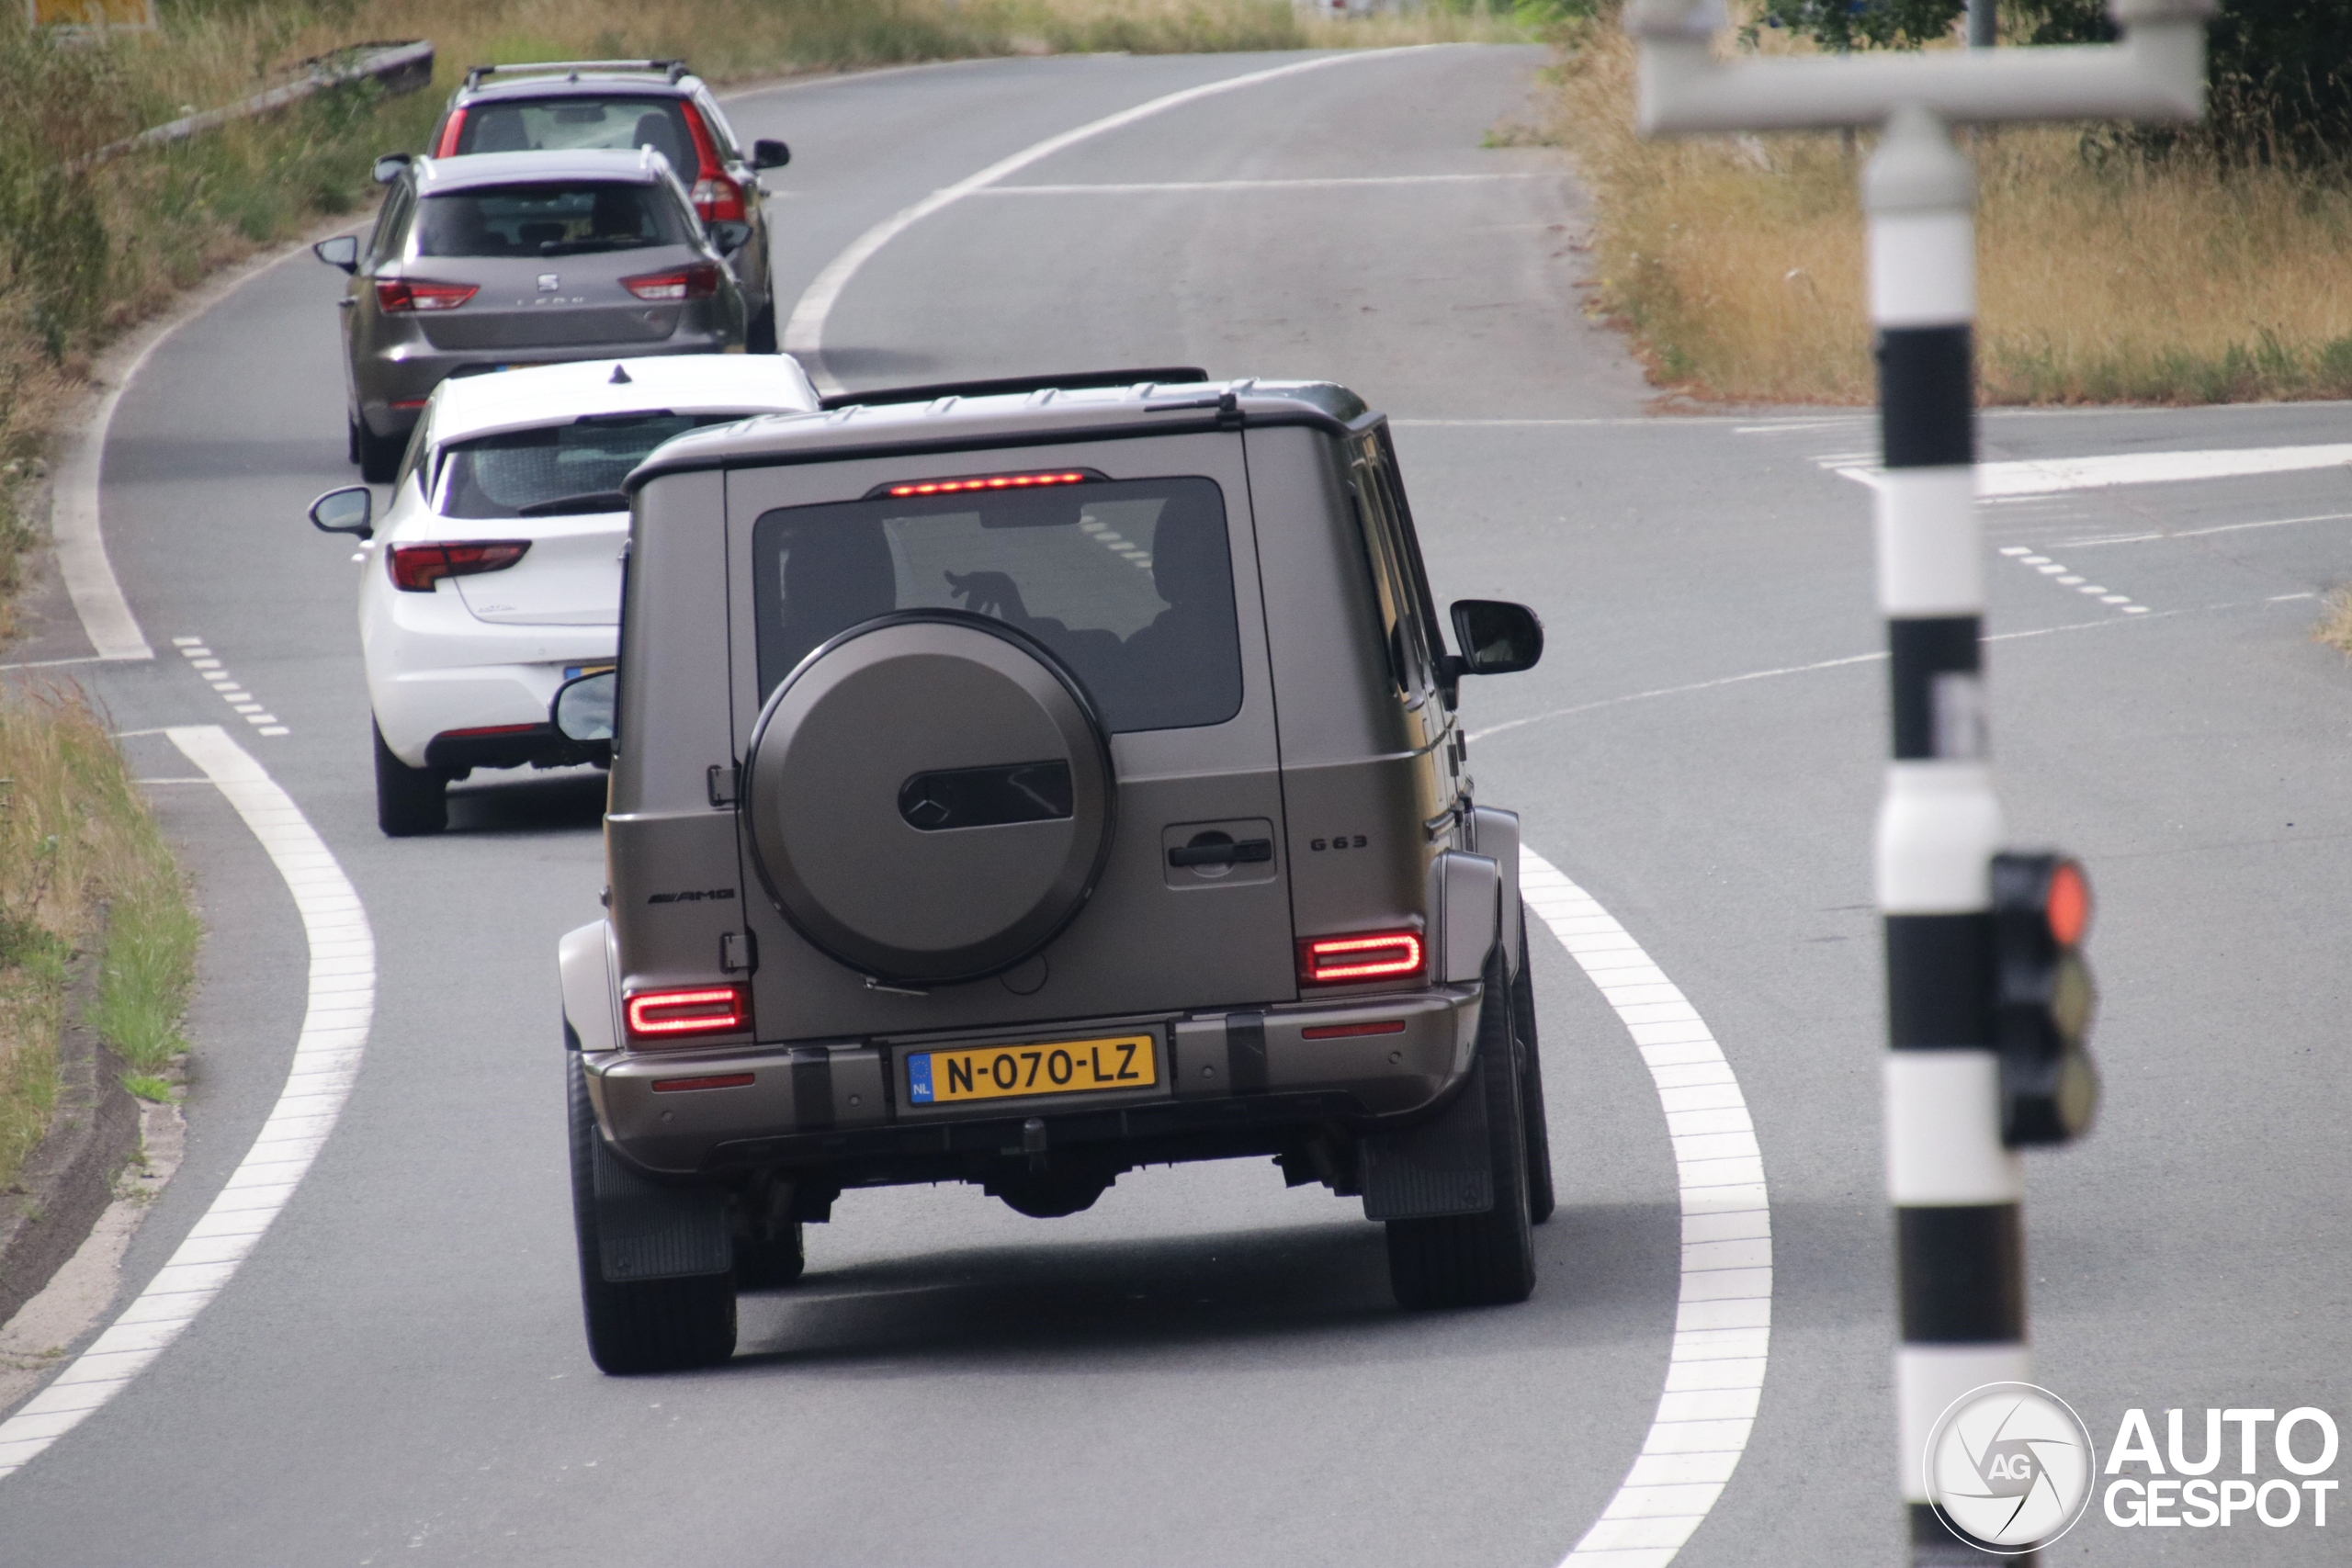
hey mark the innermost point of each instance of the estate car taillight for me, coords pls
(396, 295)
(699, 281)
(1342, 960)
(416, 568)
(447, 146)
(683, 1014)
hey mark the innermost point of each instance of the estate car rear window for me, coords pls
(1130, 583)
(497, 476)
(557, 219)
(565, 123)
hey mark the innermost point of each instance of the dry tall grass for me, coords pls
(74, 840)
(1738, 263)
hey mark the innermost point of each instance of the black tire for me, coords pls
(1478, 1260)
(378, 456)
(770, 1264)
(654, 1325)
(1539, 1198)
(409, 801)
(759, 337)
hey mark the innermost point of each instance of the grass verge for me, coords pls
(2104, 275)
(82, 863)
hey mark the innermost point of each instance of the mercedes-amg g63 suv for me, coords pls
(1019, 785)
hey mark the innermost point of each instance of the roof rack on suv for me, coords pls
(672, 69)
(1070, 381)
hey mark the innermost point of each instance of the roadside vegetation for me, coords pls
(2115, 266)
(83, 866)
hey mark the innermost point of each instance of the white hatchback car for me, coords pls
(495, 575)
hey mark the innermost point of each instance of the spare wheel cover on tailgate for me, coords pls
(930, 797)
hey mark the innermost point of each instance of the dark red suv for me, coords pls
(567, 105)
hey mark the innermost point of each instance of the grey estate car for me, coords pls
(522, 259)
(1022, 787)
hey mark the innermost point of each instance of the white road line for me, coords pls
(2048, 476)
(325, 1065)
(804, 334)
(1723, 1327)
(200, 659)
(1332, 183)
(82, 560)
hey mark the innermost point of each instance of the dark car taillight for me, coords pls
(699, 281)
(1344, 960)
(394, 295)
(716, 196)
(680, 1016)
(416, 568)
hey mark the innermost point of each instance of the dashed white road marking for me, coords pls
(2056, 572)
(1722, 1327)
(326, 1064)
(200, 659)
(804, 332)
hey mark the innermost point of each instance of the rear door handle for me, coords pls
(1248, 851)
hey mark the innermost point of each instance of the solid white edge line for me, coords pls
(804, 332)
(1333, 183)
(81, 545)
(1722, 1327)
(317, 1082)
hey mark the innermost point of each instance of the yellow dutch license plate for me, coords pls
(1002, 1072)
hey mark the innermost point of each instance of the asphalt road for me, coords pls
(1206, 1369)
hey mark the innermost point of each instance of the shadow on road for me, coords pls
(1606, 1273)
(521, 801)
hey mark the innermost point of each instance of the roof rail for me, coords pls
(1070, 381)
(672, 69)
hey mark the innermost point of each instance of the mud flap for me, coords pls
(648, 1231)
(1443, 1166)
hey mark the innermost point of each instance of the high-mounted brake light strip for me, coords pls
(694, 1010)
(990, 481)
(1380, 955)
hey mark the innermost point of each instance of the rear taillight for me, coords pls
(718, 200)
(395, 295)
(680, 1015)
(699, 281)
(416, 568)
(447, 146)
(714, 195)
(1342, 959)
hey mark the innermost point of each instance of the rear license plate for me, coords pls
(1003, 1072)
(574, 671)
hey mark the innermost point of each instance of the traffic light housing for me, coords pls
(2042, 998)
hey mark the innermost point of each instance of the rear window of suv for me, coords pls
(1129, 582)
(565, 123)
(554, 219)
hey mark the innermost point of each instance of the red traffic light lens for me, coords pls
(2067, 906)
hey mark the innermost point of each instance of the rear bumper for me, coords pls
(1234, 1084)
(408, 372)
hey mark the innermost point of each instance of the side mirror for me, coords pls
(583, 709)
(389, 167)
(769, 153)
(727, 235)
(343, 250)
(351, 510)
(1498, 638)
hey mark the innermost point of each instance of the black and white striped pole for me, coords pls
(1987, 1001)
